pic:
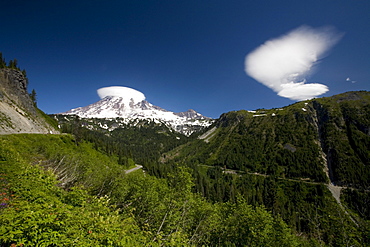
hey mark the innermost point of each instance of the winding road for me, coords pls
(134, 169)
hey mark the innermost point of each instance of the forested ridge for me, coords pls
(252, 179)
(297, 141)
(285, 158)
(145, 141)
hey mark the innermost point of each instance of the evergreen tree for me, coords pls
(11, 64)
(15, 64)
(2, 61)
(33, 97)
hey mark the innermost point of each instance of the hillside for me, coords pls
(18, 113)
(57, 192)
(141, 139)
(303, 161)
(317, 140)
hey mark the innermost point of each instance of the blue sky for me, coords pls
(180, 54)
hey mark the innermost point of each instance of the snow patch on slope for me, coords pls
(111, 107)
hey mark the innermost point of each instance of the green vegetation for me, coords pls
(38, 213)
(2, 61)
(259, 179)
(57, 191)
(345, 136)
(271, 159)
(277, 158)
(5, 121)
(33, 97)
(144, 142)
(13, 64)
(293, 142)
(283, 145)
(49, 120)
(358, 201)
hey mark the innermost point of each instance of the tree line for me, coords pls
(12, 64)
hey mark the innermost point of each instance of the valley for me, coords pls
(295, 175)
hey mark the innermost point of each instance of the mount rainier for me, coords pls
(127, 107)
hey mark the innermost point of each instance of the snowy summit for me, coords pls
(129, 104)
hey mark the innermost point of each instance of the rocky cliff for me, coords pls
(18, 113)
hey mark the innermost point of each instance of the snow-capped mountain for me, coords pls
(125, 111)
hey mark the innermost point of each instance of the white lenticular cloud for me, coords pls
(123, 92)
(283, 63)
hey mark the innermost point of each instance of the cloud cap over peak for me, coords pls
(283, 63)
(123, 92)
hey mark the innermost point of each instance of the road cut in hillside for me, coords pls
(134, 169)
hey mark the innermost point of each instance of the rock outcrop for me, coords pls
(18, 113)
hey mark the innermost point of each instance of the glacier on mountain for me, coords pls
(128, 111)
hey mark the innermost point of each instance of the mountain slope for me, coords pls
(304, 162)
(105, 206)
(320, 140)
(18, 113)
(126, 111)
(141, 139)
